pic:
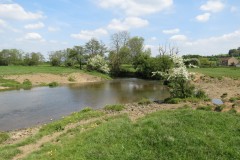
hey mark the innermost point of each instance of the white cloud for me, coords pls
(17, 12)
(213, 6)
(203, 17)
(2, 23)
(171, 31)
(212, 45)
(88, 34)
(127, 23)
(179, 37)
(136, 7)
(153, 38)
(34, 26)
(233, 9)
(53, 29)
(33, 37)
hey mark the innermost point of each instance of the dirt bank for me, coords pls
(215, 87)
(43, 78)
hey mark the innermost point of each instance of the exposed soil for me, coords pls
(215, 87)
(44, 78)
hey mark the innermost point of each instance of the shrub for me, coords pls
(201, 94)
(205, 108)
(3, 137)
(219, 108)
(53, 84)
(115, 107)
(144, 101)
(27, 84)
(71, 79)
(98, 63)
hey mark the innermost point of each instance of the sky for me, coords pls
(205, 27)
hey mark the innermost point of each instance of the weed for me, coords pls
(53, 84)
(115, 107)
(144, 101)
(219, 108)
(205, 108)
(3, 137)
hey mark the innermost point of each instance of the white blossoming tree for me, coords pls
(98, 63)
(178, 78)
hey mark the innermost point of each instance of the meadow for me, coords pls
(231, 72)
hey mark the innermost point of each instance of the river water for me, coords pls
(26, 108)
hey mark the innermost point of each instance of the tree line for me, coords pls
(18, 57)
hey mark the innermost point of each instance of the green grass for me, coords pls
(173, 134)
(14, 84)
(115, 107)
(218, 72)
(3, 137)
(9, 151)
(18, 70)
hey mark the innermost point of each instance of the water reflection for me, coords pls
(24, 108)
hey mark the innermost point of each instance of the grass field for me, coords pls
(174, 134)
(218, 72)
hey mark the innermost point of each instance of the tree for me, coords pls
(119, 48)
(56, 58)
(94, 47)
(10, 57)
(98, 63)
(77, 55)
(234, 52)
(136, 46)
(33, 59)
(119, 40)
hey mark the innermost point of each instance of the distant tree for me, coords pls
(234, 52)
(76, 54)
(119, 51)
(11, 57)
(33, 59)
(56, 58)
(136, 46)
(94, 47)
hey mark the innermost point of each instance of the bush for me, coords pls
(27, 84)
(144, 101)
(201, 94)
(71, 79)
(205, 108)
(53, 84)
(3, 137)
(115, 107)
(219, 108)
(98, 63)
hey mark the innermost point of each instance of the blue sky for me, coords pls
(203, 27)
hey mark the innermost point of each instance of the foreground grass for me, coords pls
(178, 134)
(9, 151)
(218, 72)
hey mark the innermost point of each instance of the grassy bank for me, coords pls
(168, 134)
(179, 134)
(19, 70)
(218, 72)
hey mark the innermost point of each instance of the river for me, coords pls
(26, 108)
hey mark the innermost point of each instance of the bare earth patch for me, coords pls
(215, 88)
(44, 78)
